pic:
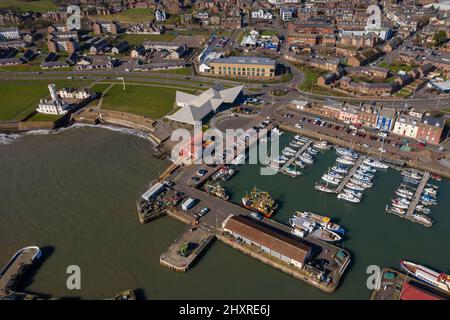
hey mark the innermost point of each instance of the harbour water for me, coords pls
(73, 193)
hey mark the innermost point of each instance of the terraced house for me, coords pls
(244, 67)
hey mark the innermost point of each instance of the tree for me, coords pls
(440, 37)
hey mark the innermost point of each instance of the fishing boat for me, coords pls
(410, 180)
(335, 174)
(260, 201)
(367, 168)
(375, 163)
(324, 188)
(430, 191)
(405, 192)
(324, 221)
(355, 187)
(330, 179)
(403, 200)
(348, 197)
(306, 160)
(240, 159)
(438, 280)
(287, 153)
(302, 227)
(339, 169)
(357, 194)
(405, 196)
(345, 161)
(422, 219)
(399, 204)
(219, 174)
(228, 174)
(322, 145)
(301, 139)
(423, 209)
(361, 177)
(395, 210)
(365, 173)
(346, 152)
(436, 177)
(216, 190)
(411, 174)
(279, 160)
(300, 164)
(292, 171)
(290, 149)
(326, 235)
(362, 183)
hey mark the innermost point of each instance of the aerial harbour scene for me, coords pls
(213, 150)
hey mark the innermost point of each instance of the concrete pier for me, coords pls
(350, 174)
(195, 239)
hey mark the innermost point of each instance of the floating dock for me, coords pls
(291, 160)
(350, 174)
(410, 213)
(417, 195)
(183, 253)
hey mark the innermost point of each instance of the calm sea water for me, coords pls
(73, 194)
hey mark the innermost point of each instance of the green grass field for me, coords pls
(44, 117)
(395, 68)
(152, 102)
(310, 77)
(180, 71)
(134, 15)
(20, 97)
(36, 5)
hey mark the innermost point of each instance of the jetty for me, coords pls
(350, 174)
(410, 213)
(297, 154)
(417, 195)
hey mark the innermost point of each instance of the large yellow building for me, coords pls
(244, 67)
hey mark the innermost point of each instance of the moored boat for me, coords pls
(375, 163)
(348, 197)
(427, 275)
(324, 188)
